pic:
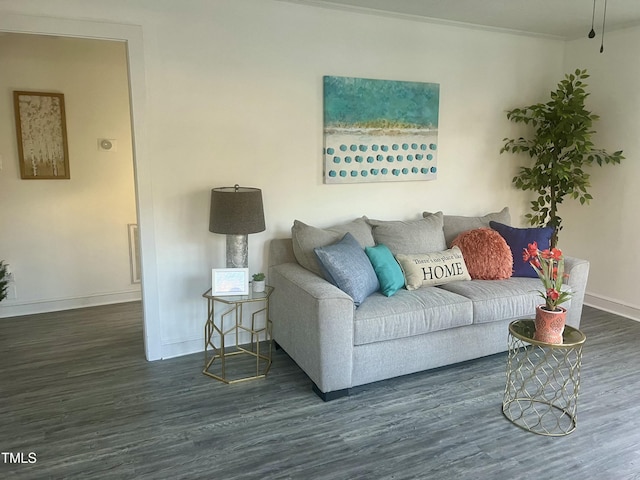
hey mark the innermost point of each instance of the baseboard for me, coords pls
(45, 306)
(612, 306)
(178, 349)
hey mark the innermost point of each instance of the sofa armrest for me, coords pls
(313, 322)
(578, 271)
(281, 251)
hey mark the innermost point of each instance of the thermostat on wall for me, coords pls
(107, 145)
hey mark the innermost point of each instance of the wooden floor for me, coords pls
(77, 392)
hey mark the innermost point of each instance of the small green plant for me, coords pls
(3, 280)
(561, 148)
(258, 277)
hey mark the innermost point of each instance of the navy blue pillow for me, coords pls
(345, 265)
(518, 239)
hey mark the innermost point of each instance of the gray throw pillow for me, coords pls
(306, 238)
(347, 266)
(415, 236)
(454, 225)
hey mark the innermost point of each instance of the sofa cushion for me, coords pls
(305, 238)
(387, 269)
(345, 265)
(434, 268)
(409, 313)
(518, 239)
(414, 236)
(496, 300)
(486, 254)
(454, 225)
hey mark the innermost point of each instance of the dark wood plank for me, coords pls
(77, 391)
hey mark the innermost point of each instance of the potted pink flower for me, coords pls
(550, 317)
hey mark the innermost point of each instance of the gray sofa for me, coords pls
(340, 346)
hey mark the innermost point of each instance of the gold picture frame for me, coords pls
(41, 128)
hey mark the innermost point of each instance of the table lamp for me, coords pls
(236, 211)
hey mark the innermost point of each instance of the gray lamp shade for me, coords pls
(236, 210)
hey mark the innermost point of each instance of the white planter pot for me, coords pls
(258, 286)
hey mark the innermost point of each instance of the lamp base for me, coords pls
(237, 251)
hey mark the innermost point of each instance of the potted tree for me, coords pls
(561, 148)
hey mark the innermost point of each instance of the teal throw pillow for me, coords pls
(387, 269)
(345, 265)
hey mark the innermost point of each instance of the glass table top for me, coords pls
(524, 330)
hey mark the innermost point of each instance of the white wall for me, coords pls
(234, 95)
(607, 230)
(67, 240)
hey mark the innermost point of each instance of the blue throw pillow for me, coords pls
(345, 265)
(518, 239)
(387, 269)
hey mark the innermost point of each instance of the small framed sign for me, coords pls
(230, 281)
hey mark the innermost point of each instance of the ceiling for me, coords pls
(567, 19)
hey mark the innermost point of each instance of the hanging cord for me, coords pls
(592, 32)
(604, 19)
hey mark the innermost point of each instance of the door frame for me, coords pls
(131, 35)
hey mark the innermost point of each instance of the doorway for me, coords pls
(132, 38)
(69, 243)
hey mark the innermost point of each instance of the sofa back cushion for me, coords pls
(424, 235)
(454, 225)
(306, 238)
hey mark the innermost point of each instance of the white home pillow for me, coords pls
(436, 268)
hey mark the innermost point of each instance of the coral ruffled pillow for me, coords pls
(486, 254)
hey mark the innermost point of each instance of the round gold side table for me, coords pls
(543, 380)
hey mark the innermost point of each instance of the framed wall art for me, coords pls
(42, 135)
(379, 130)
(230, 281)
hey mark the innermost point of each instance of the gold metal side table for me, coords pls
(543, 380)
(231, 321)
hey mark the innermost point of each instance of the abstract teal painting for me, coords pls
(380, 130)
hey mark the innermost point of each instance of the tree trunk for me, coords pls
(553, 220)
